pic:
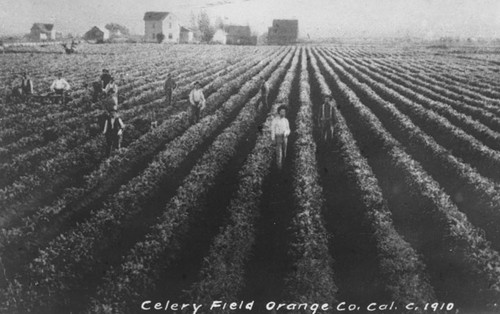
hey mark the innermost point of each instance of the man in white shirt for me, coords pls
(280, 129)
(197, 101)
(112, 90)
(59, 86)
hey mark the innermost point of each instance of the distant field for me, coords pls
(402, 205)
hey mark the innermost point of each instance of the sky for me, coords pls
(317, 18)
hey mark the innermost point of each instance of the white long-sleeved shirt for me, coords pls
(112, 86)
(60, 84)
(279, 126)
(196, 96)
(106, 126)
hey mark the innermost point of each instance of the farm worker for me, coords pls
(264, 92)
(17, 90)
(325, 118)
(280, 129)
(97, 88)
(197, 101)
(112, 90)
(113, 130)
(105, 78)
(59, 86)
(170, 86)
(26, 84)
(100, 85)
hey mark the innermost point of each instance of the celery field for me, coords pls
(403, 204)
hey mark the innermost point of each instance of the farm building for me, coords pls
(239, 35)
(42, 31)
(165, 23)
(220, 37)
(283, 32)
(97, 34)
(186, 35)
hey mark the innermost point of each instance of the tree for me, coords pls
(115, 29)
(160, 37)
(206, 29)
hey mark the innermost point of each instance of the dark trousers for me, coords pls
(97, 91)
(195, 114)
(113, 141)
(168, 99)
(326, 127)
(59, 94)
(26, 91)
(280, 143)
(17, 92)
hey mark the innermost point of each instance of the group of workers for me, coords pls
(23, 89)
(113, 125)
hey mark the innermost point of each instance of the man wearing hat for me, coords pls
(113, 130)
(59, 86)
(197, 101)
(105, 78)
(26, 84)
(280, 129)
(22, 88)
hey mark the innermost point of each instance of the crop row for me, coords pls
(462, 144)
(63, 265)
(147, 81)
(79, 132)
(454, 93)
(83, 116)
(79, 72)
(401, 269)
(457, 178)
(455, 112)
(485, 117)
(90, 153)
(479, 131)
(119, 167)
(457, 239)
(312, 278)
(147, 259)
(230, 249)
(465, 73)
(448, 74)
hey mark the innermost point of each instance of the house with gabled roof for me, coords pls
(42, 31)
(97, 34)
(165, 23)
(283, 32)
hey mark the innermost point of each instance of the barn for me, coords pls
(165, 23)
(283, 32)
(186, 35)
(42, 31)
(97, 34)
(239, 35)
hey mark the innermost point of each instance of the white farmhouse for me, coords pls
(220, 37)
(164, 23)
(42, 31)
